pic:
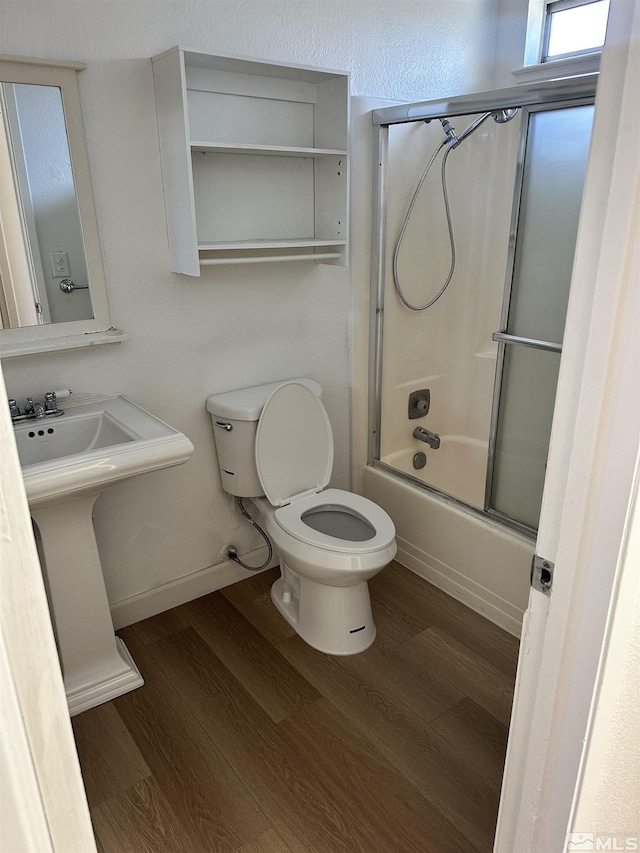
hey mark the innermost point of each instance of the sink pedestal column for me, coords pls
(96, 664)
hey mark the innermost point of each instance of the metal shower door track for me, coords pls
(526, 95)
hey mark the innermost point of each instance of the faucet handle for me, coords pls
(14, 409)
(50, 404)
(29, 409)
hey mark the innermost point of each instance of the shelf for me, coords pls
(273, 150)
(267, 244)
(277, 136)
(264, 259)
(269, 251)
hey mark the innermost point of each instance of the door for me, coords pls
(24, 290)
(43, 805)
(591, 475)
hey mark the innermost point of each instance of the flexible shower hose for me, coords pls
(232, 551)
(450, 141)
(405, 223)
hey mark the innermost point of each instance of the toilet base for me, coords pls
(336, 620)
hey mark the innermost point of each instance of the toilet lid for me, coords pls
(294, 444)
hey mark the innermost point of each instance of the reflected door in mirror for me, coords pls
(43, 243)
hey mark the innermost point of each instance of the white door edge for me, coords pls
(44, 799)
(590, 477)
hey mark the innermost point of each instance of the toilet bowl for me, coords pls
(275, 446)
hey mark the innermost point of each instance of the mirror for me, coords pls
(52, 292)
(35, 152)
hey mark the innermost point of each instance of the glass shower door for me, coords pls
(446, 351)
(546, 215)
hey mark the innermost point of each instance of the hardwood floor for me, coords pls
(246, 739)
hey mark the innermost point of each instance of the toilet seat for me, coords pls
(292, 421)
(289, 518)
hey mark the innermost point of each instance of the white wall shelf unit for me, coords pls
(254, 160)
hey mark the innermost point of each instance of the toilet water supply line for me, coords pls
(232, 551)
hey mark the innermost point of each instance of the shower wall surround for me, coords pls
(234, 326)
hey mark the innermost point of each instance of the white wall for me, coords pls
(618, 767)
(233, 327)
(510, 39)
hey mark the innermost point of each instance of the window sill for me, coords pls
(573, 66)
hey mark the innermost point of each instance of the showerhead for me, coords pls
(499, 116)
(503, 116)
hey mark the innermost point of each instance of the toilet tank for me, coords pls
(235, 416)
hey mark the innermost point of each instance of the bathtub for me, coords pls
(472, 557)
(458, 467)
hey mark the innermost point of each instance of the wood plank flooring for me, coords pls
(246, 740)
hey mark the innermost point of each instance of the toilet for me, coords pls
(275, 446)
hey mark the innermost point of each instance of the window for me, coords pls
(574, 27)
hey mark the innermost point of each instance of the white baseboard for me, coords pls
(462, 588)
(153, 601)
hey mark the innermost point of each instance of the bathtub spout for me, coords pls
(431, 438)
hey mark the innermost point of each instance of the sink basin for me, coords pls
(95, 443)
(81, 434)
(66, 463)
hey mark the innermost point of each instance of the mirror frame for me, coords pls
(76, 333)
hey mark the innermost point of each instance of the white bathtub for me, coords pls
(458, 467)
(473, 558)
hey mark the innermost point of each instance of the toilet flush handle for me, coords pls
(224, 425)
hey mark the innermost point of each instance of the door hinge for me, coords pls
(542, 574)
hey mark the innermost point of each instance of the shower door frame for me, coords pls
(549, 95)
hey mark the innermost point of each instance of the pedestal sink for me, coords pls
(66, 463)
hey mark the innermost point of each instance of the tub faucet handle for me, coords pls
(419, 403)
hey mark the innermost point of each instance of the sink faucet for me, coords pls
(35, 411)
(431, 438)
